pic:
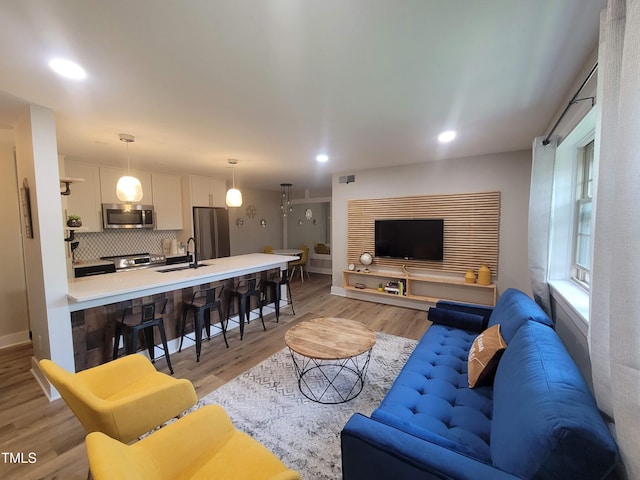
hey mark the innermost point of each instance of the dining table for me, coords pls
(287, 251)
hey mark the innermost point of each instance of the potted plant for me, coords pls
(74, 221)
(380, 289)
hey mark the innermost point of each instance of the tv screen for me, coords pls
(409, 239)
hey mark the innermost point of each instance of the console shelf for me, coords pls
(419, 288)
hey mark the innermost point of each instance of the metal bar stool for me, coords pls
(130, 325)
(273, 288)
(202, 303)
(242, 292)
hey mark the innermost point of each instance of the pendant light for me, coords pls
(285, 199)
(234, 197)
(128, 188)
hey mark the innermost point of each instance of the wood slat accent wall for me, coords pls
(471, 228)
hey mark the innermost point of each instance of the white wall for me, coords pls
(303, 231)
(251, 236)
(509, 173)
(14, 314)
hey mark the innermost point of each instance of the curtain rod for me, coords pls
(573, 101)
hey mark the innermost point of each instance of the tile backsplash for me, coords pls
(92, 246)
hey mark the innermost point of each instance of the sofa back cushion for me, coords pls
(545, 420)
(514, 308)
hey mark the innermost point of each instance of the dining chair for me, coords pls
(301, 264)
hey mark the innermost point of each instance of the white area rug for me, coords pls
(265, 402)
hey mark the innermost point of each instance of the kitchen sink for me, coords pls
(174, 269)
(182, 267)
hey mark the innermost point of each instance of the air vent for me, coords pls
(347, 179)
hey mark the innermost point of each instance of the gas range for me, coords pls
(136, 261)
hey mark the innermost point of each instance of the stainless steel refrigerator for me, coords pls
(211, 231)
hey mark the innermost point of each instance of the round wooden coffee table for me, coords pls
(331, 356)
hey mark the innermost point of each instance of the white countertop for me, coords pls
(88, 292)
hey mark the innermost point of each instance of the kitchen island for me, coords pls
(97, 302)
(87, 292)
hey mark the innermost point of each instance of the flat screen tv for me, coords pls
(410, 239)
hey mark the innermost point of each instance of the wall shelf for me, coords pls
(419, 288)
(68, 181)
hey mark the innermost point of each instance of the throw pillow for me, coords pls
(484, 356)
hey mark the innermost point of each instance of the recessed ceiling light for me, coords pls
(68, 69)
(447, 136)
(322, 158)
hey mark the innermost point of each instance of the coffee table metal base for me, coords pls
(331, 382)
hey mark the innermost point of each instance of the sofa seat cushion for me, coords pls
(431, 398)
(514, 309)
(545, 417)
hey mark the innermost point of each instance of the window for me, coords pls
(581, 268)
(571, 220)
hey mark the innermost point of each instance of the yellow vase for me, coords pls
(470, 276)
(484, 275)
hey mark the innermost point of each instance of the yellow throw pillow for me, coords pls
(484, 356)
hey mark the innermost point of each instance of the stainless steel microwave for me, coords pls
(121, 215)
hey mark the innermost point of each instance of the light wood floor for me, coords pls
(30, 423)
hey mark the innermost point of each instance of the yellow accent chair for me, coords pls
(301, 264)
(124, 398)
(201, 445)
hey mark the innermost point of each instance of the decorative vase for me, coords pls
(470, 276)
(484, 275)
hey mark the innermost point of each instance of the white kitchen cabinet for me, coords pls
(167, 201)
(84, 199)
(109, 178)
(199, 191)
(206, 191)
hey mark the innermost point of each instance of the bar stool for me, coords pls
(202, 303)
(273, 287)
(131, 324)
(242, 292)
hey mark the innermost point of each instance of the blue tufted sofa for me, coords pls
(538, 420)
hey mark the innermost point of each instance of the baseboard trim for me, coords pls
(340, 291)
(49, 391)
(14, 339)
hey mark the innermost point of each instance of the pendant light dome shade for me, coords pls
(234, 196)
(129, 189)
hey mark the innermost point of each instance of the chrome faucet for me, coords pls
(195, 253)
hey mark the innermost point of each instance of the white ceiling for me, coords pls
(274, 82)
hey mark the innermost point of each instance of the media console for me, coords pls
(425, 289)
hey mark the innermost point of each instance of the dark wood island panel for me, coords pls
(93, 328)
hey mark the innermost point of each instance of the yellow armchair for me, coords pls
(124, 398)
(201, 445)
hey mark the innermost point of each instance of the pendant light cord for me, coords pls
(128, 161)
